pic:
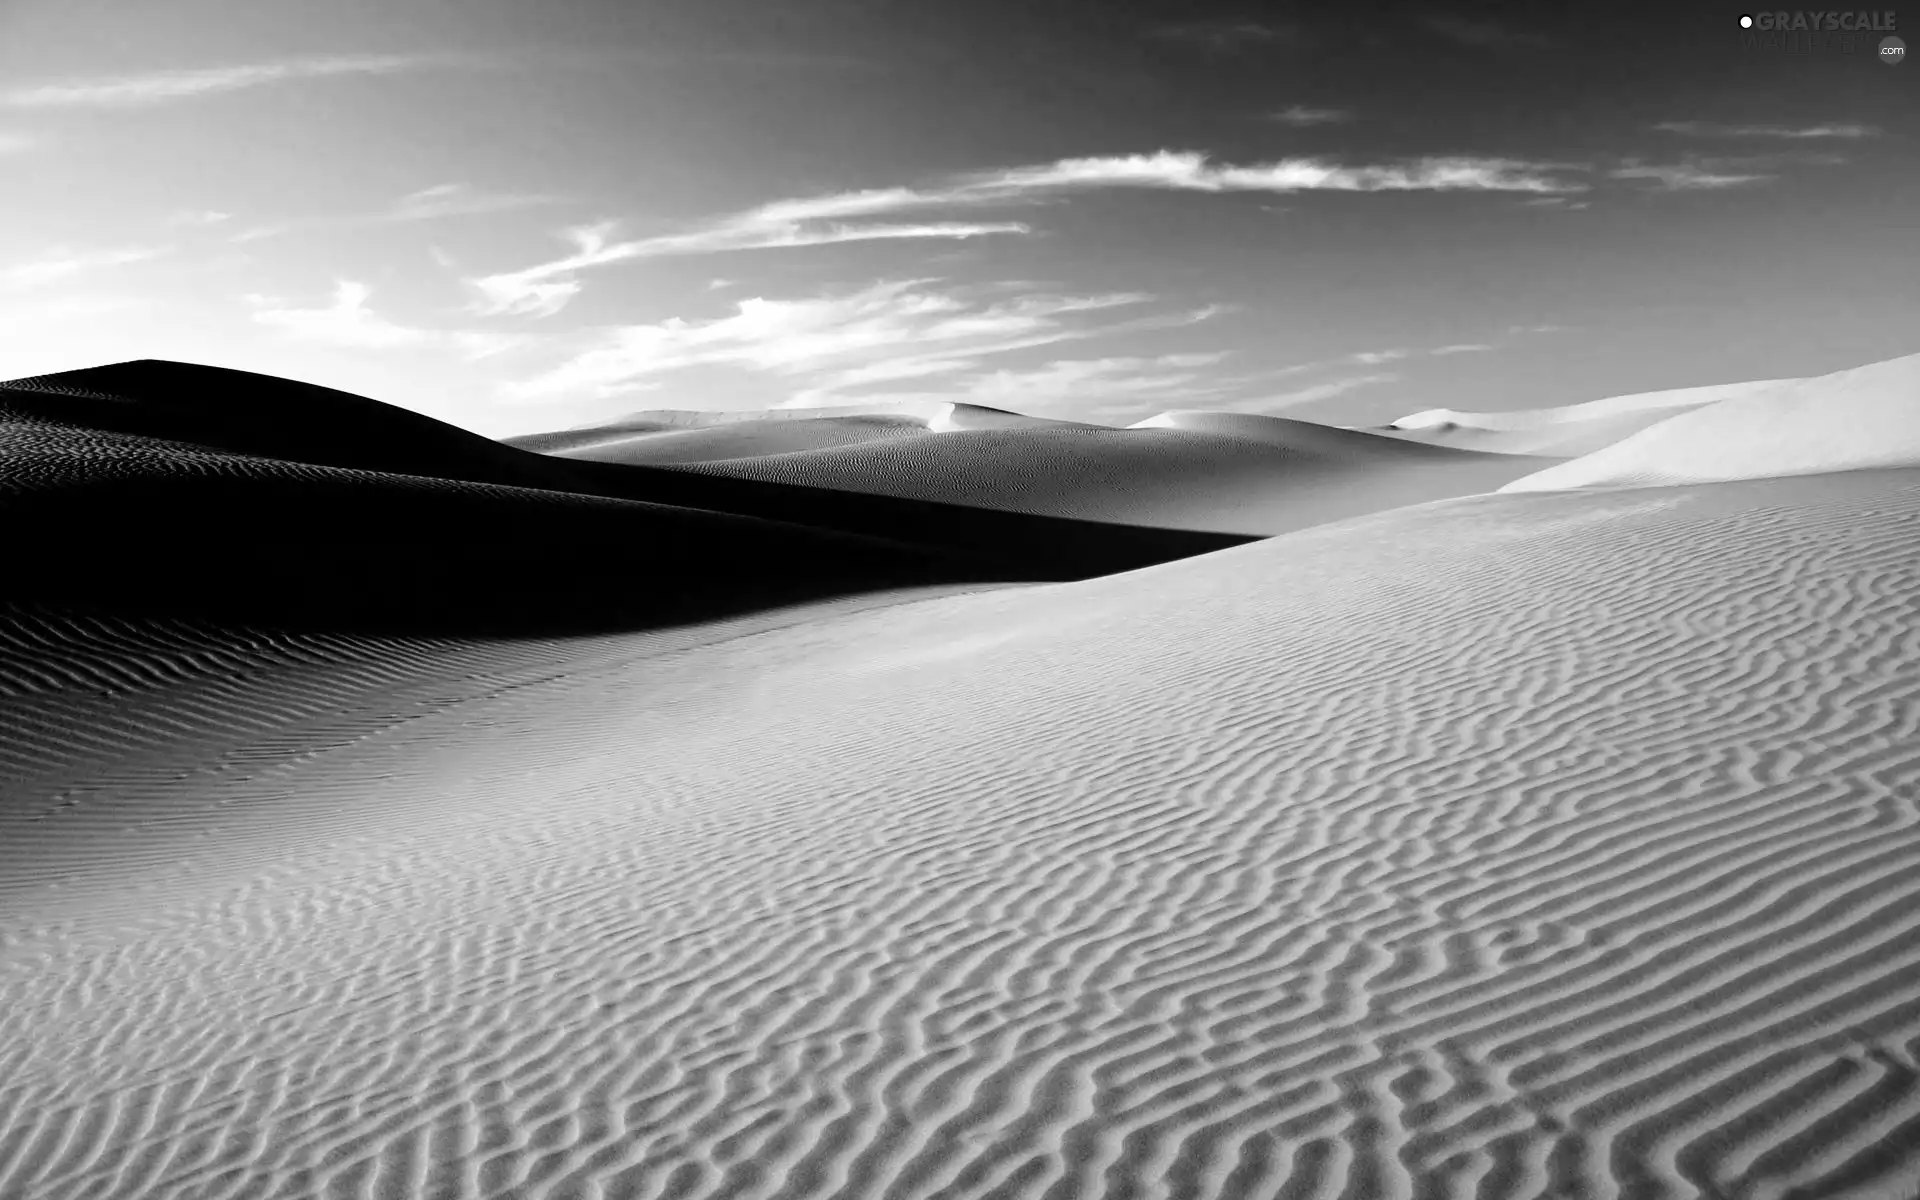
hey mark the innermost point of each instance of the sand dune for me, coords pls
(1558, 844)
(296, 495)
(373, 540)
(663, 446)
(1850, 420)
(1562, 842)
(1216, 478)
(1566, 431)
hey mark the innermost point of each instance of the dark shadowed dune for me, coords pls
(206, 490)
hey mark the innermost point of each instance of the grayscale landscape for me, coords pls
(955, 679)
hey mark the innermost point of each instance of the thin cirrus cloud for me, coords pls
(62, 264)
(439, 202)
(544, 289)
(165, 87)
(1227, 35)
(461, 200)
(1791, 132)
(1486, 34)
(1687, 177)
(1326, 390)
(1302, 116)
(823, 346)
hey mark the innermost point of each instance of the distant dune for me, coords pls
(1556, 842)
(1569, 430)
(1205, 472)
(663, 445)
(1850, 420)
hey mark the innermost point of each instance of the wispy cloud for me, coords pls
(822, 347)
(349, 321)
(61, 264)
(846, 216)
(544, 289)
(1192, 171)
(1687, 177)
(1371, 358)
(1713, 129)
(1488, 34)
(199, 218)
(1461, 348)
(1301, 116)
(1226, 35)
(15, 143)
(460, 200)
(163, 87)
(1317, 391)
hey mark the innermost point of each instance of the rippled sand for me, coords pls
(1549, 843)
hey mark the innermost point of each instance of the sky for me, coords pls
(527, 216)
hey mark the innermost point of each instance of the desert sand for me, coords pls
(936, 804)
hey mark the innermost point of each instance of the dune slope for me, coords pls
(1558, 843)
(1863, 418)
(1568, 430)
(1205, 481)
(114, 472)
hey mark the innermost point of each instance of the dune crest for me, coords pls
(1567, 430)
(1858, 419)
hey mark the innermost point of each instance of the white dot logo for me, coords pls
(1746, 22)
(1892, 51)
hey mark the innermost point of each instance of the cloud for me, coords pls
(1687, 177)
(826, 345)
(1227, 35)
(1371, 358)
(162, 87)
(1487, 34)
(1318, 391)
(15, 143)
(346, 322)
(545, 288)
(1192, 171)
(199, 218)
(459, 200)
(1461, 348)
(1712, 129)
(62, 263)
(1300, 116)
(349, 322)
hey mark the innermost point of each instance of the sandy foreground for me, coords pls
(1561, 840)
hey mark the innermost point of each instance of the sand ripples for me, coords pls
(1515, 846)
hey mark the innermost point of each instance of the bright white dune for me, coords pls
(1568, 430)
(1858, 419)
